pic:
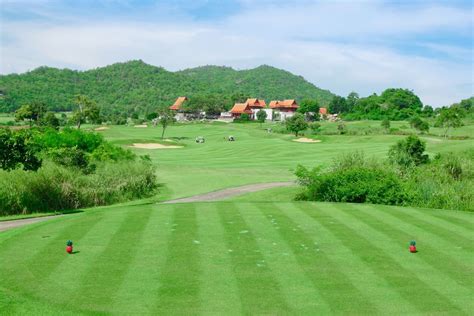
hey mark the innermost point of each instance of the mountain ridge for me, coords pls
(137, 86)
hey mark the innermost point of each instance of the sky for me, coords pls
(364, 45)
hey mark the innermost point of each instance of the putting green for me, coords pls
(238, 257)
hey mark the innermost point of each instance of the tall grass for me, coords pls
(55, 187)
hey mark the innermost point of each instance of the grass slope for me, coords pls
(238, 257)
(256, 156)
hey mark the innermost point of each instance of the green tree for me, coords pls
(341, 127)
(351, 101)
(417, 123)
(17, 149)
(86, 110)
(385, 124)
(338, 105)
(261, 116)
(309, 105)
(25, 112)
(166, 118)
(315, 127)
(450, 118)
(50, 120)
(408, 152)
(296, 123)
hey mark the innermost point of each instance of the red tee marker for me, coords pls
(69, 247)
(412, 247)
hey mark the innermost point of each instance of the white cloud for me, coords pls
(341, 47)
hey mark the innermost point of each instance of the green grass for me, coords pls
(238, 257)
(256, 156)
(259, 253)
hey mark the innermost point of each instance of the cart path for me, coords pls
(230, 192)
(6, 225)
(205, 197)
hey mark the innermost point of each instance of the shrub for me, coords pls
(18, 150)
(55, 187)
(357, 185)
(408, 152)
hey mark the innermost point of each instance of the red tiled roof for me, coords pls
(273, 104)
(323, 111)
(285, 104)
(256, 103)
(240, 108)
(177, 104)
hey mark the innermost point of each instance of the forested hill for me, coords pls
(137, 86)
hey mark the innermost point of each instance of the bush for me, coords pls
(408, 152)
(446, 182)
(356, 185)
(17, 150)
(55, 187)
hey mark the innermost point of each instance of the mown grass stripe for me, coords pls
(44, 251)
(300, 292)
(407, 274)
(140, 286)
(179, 291)
(327, 276)
(397, 231)
(110, 266)
(259, 292)
(219, 290)
(441, 227)
(465, 221)
(378, 290)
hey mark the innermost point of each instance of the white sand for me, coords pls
(102, 128)
(154, 146)
(306, 140)
(141, 126)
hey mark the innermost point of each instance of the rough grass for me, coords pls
(241, 258)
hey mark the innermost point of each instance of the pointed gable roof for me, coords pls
(255, 103)
(240, 108)
(273, 104)
(177, 104)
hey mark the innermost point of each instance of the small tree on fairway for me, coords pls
(296, 123)
(450, 118)
(341, 127)
(166, 117)
(420, 125)
(261, 116)
(385, 124)
(86, 109)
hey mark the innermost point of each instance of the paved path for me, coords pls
(6, 225)
(211, 196)
(231, 192)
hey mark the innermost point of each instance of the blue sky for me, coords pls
(364, 46)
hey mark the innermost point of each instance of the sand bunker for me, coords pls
(306, 140)
(141, 126)
(102, 128)
(154, 146)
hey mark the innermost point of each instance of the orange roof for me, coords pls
(177, 104)
(287, 104)
(256, 103)
(323, 111)
(274, 104)
(240, 108)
